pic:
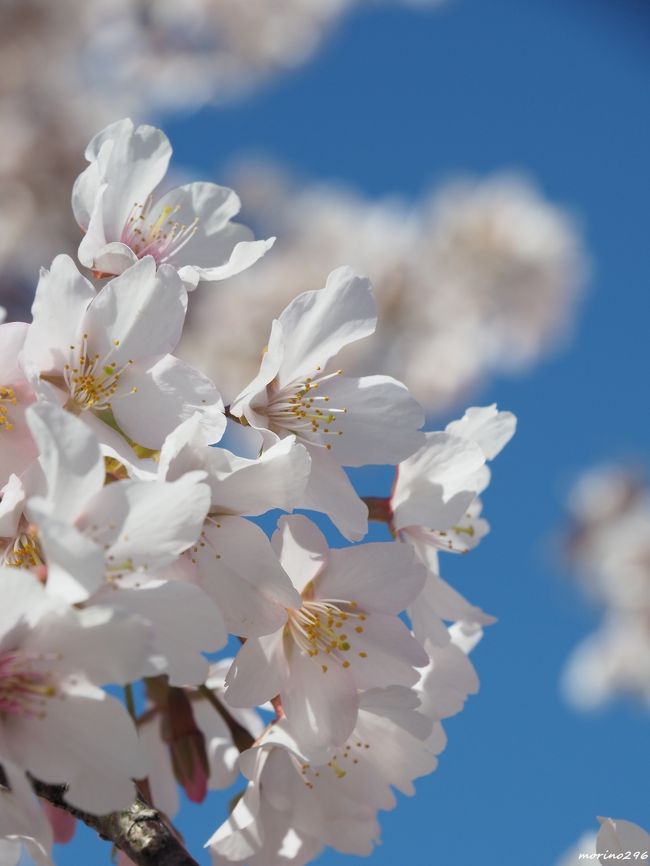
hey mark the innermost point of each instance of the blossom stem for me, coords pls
(140, 831)
(378, 508)
(130, 702)
(240, 736)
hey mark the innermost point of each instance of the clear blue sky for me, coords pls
(399, 99)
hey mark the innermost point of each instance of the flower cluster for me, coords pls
(609, 549)
(131, 546)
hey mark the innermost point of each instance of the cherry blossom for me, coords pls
(115, 202)
(52, 658)
(334, 802)
(300, 390)
(345, 635)
(435, 507)
(232, 559)
(294, 805)
(105, 355)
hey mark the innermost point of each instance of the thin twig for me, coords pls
(240, 736)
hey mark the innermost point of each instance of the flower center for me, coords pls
(161, 237)
(23, 690)
(326, 626)
(302, 408)
(7, 398)
(25, 552)
(91, 380)
(339, 766)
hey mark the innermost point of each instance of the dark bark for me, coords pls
(140, 831)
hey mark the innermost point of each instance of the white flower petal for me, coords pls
(70, 457)
(302, 549)
(382, 422)
(318, 324)
(434, 487)
(168, 393)
(86, 740)
(240, 571)
(485, 425)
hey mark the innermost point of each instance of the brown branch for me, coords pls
(140, 831)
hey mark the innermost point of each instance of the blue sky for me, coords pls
(399, 99)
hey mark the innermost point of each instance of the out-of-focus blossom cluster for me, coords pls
(69, 67)
(609, 547)
(616, 840)
(478, 278)
(129, 546)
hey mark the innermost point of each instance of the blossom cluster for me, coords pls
(609, 550)
(130, 543)
(478, 278)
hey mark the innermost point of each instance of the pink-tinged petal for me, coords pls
(238, 258)
(318, 324)
(257, 673)
(239, 485)
(12, 340)
(253, 399)
(381, 576)
(436, 486)
(320, 701)
(70, 458)
(381, 422)
(146, 524)
(136, 316)
(62, 296)
(159, 603)
(131, 169)
(63, 824)
(485, 425)
(277, 479)
(439, 601)
(87, 188)
(11, 506)
(223, 755)
(23, 820)
(214, 248)
(21, 592)
(79, 640)
(94, 238)
(446, 682)
(239, 570)
(167, 394)
(384, 654)
(301, 548)
(213, 207)
(112, 258)
(75, 564)
(85, 739)
(329, 490)
(162, 783)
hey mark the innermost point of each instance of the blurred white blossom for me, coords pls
(609, 547)
(67, 68)
(479, 277)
